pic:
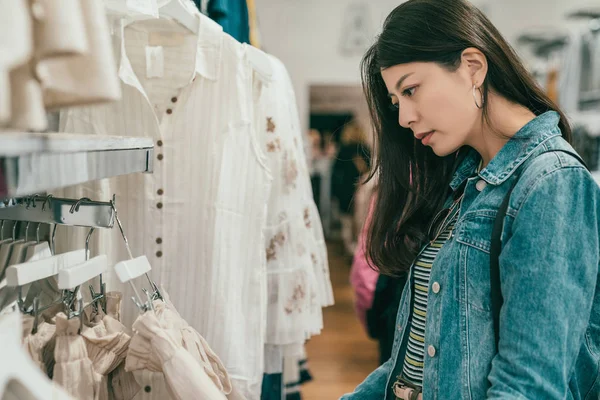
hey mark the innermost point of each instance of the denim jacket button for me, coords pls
(480, 185)
(435, 287)
(431, 351)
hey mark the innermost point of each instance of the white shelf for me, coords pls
(41, 162)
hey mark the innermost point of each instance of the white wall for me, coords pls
(306, 34)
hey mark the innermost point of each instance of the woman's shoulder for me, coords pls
(553, 164)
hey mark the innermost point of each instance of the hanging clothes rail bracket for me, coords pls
(53, 210)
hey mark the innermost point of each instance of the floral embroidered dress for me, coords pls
(297, 267)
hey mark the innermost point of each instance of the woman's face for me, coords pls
(437, 105)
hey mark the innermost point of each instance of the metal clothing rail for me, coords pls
(52, 210)
(41, 162)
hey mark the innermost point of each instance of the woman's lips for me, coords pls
(427, 138)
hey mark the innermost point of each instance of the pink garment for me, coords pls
(362, 277)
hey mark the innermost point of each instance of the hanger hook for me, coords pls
(37, 232)
(2, 231)
(14, 235)
(112, 204)
(48, 200)
(76, 206)
(34, 198)
(36, 311)
(27, 231)
(52, 240)
(87, 244)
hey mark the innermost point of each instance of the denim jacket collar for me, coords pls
(514, 153)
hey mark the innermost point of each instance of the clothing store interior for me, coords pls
(151, 250)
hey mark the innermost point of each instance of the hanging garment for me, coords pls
(73, 369)
(199, 111)
(121, 384)
(204, 106)
(87, 78)
(16, 42)
(185, 377)
(272, 387)
(133, 9)
(27, 102)
(47, 292)
(295, 374)
(151, 377)
(297, 266)
(106, 339)
(20, 379)
(232, 15)
(34, 344)
(58, 28)
(193, 342)
(298, 272)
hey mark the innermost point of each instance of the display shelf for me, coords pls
(32, 163)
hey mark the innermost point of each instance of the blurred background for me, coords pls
(321, 44)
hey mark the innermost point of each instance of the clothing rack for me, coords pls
(33, 163)
(52, 210)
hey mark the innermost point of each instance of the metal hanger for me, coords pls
(81, 273)
(150, 297)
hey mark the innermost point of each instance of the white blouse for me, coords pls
(199, 216)
(215, 232)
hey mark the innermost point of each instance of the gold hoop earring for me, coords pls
(480, 106)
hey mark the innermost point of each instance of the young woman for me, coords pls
(460, 124)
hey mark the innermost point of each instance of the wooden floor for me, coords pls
(343, 355)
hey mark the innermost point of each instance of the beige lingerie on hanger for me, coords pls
(33, 344)
(73, 369)
(154, 347)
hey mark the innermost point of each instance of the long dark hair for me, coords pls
(412, 181)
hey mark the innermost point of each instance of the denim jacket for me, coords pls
(550, 321)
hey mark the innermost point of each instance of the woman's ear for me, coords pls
(475, 62)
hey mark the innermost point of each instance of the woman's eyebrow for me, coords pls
(400, 81)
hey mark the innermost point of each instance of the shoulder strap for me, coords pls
(496, 247)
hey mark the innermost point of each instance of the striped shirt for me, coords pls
(415, 352)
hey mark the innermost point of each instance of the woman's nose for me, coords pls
(407, 115)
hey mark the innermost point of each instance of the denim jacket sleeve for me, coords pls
(549, 268)
(374, 386)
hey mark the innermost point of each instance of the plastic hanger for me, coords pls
(18, 368)
(179, 12)
(2, 240)
(78, 275)
(19, 250)
(134, 268)
(39, 250)
(6, 251)
(25, 273)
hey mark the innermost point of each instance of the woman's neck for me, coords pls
(506, 118)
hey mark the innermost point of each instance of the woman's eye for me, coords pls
(394, 106)
(409, 92)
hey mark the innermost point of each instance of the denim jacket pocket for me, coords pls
(474, 233)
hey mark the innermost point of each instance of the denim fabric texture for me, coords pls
(550, 322)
